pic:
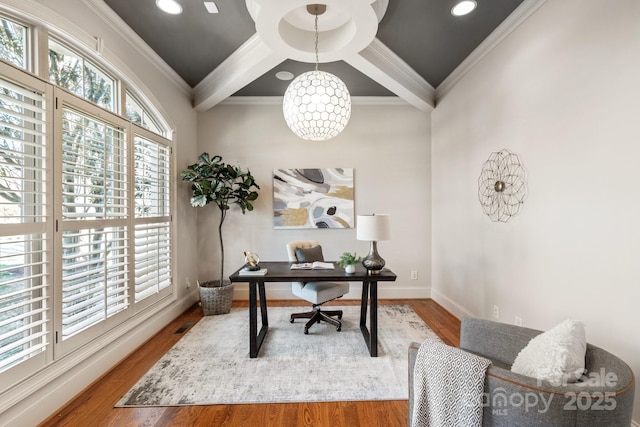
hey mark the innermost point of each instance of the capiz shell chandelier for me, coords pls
(317, 104)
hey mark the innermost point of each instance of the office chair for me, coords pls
(317, 293)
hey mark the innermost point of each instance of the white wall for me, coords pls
(79, 21)
(387, 145)
(562, 92)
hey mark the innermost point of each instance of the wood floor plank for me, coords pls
(95, 405)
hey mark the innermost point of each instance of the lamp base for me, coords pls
(373, 262)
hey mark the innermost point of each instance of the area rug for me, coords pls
(211, 364)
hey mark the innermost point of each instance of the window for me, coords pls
(152, 227)
(85, 218)
(94, 183)
(13, 41)
(73, 72)
(24, 243)
(140, 115)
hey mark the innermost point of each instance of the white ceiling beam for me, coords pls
(382, 65)
(246, 64)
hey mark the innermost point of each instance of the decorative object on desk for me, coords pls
(373, 228)
(317, 104)
(348, 261)
(183, 376)
(215, 297)
(252, 260)
(313, 198)
(213, 181)
(316, 265)
(501, 186)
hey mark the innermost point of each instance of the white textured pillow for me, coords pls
(556, 355)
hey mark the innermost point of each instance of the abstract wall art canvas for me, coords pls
(313, 198)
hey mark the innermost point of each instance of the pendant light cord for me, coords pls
(316, 46)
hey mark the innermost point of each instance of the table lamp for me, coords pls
(373, 228)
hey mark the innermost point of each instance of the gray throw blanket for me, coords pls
(448, 386)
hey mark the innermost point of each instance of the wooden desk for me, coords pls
(281, 272)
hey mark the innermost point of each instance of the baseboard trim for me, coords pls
(455, 309)
(56, 385)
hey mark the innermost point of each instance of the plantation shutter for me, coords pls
(152, 217)
(94, 211)
(24, 244)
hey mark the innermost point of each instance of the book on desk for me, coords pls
(247, 272)
(317, 265)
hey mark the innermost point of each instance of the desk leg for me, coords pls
(370, 336)
(363, 306)
(263, 306)
(373, 324)
(255, 338)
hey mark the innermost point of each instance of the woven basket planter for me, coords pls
(214, 298)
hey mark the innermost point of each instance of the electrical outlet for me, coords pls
(496, 312)
(414, 275)
(518, 321)
(188, 282)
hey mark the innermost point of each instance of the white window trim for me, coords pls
(27, 367)
(25, 379)
(137, 130)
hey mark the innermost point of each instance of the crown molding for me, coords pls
(513, 21)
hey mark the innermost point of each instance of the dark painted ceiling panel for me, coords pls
(423, 33)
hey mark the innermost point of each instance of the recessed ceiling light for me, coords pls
(169, 6)
(284, 75)
(211, 7)
(463, 7)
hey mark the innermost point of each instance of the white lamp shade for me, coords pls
(373, 227)
(317, 105)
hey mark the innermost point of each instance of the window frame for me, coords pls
(22, 370)
(147, 112)
(139, 131)
(27, 55)
(64, 100)
(88, 62)
(37, 71)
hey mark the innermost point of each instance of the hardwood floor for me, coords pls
(94, 406)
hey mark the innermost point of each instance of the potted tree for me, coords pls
(348, 261)
(213, 181)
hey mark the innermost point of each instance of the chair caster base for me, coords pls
(318, 316)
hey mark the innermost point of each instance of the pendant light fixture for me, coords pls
(317, 104)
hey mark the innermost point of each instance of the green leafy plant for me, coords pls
(213, 181)
(348, 259)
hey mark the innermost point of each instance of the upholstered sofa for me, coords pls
(605, 398)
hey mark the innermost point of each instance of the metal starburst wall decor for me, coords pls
(501, 186)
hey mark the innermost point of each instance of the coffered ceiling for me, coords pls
(377, 47)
